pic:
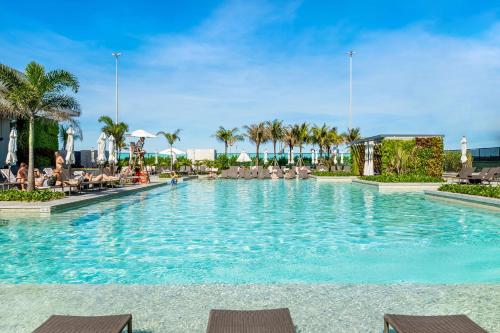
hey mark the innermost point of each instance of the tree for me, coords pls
(117, 130)
(228, 136)
(334, 139)
(289, 138)
(352, 135)
(258, 134)
(276, 130)
(36, 94)
(320, 137)
(301, 133)
(171, 138)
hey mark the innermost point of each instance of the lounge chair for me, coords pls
(279, 173)
(254, 172)
(224, 174)
(258, 321)
(291, 174)
(247, 174)
(488, 177)
(303, 174)
(264, 173)
(9, 179)
(464, 174)
(79, 324)
(431, 324)
(479, 177)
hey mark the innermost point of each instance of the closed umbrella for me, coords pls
(335, 156)
(243, 158)
(112, 150)
(290, 157)
(156, 158)
(92, 157)
(265, 156)
(368, 167)
(463, 144)
(70, 147)
(12, 148)
(101, 149)
(313, 156)
(342, 158)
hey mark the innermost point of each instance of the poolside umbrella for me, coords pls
(313, 156)
(112, 150)
(463, 144)
(342, 158)
(140, 133)
(368, 167)
(156, 157)
(172, 151)
(92, 157)
(12, 148)
(101, 149)
(335, 156)
(243, 158)
(290, 157)
(265, 156)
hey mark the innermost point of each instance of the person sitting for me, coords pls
(21, 175)
(59, 168)
(40, 179)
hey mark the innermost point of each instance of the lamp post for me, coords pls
(350, 53)
(116, 55)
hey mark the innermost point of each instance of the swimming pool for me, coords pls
(255, 231)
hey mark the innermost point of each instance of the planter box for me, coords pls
(467, 199)
(335, 179)
(398, 187)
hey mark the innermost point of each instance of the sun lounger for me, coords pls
(224, 174)
(487, 177)
(479, 177)
(247, 174)
(264, 173)
(303, 174)
(254, 172)
(431, 324)
(9, 179)
(79, 324)
(259, 321)
(464, 174)
(279, 173)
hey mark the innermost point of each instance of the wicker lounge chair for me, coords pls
(464, 174)
(303, 174)
(431, 324)
(259, 321)
(479, 177)
(247, 174)
(255, 172)
(264, 174)
(9, 179)
(79, 324)
(492, 174)
(224, 174)
(279, 173)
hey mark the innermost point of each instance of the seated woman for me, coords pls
(21, 177)
(59, 168)
(40, 179)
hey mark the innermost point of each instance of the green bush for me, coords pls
(405, 178)
(481, 190)
(331, 173)
(45, 141)
(452, 161)
(38, 195)
(357, 159)
(165, 175)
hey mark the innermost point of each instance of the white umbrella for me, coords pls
(290, 157)
(313, 156)
(11, 152)
(172, 151)
(92, 157)
(156, 157)
(70, 147)
(335, 156)
(140, 133)
(101, 149)
(112, 150)
(463, 144)
(368, 167)
(265, 156)
(243, 158)
(342, 158)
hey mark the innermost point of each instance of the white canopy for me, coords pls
(463, 145)
(173, 150)
(112, 150)
(11, 152)
(243, 158)
(70, 147)
(101, 149)
(140, 133)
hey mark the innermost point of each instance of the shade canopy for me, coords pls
(112, 150)
(11, 158)
(463, 146)
(101, 149)
(70, 146)
(243, 158)
(171, 151)
(140, 133)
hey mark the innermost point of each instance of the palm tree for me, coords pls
(289, 138)
(301, 132)
(352, 135)
(117, 130)
(36, 94)
(334, 139)
(171, 138)
(276, 132)
(258, 134)
(320, 137)
(228, 136)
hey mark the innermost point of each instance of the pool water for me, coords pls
(255, 231)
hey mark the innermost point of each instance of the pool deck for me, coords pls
(467, 199)
(184, 308)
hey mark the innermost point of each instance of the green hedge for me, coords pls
(45, 141)
(38, 195)
(451, 161)
(331, 173)
(405, 178)
(481, 190)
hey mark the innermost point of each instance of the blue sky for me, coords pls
(420, 67)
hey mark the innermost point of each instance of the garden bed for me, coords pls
(332, 174)
(37, 195)
(402, 179)
(470, 189)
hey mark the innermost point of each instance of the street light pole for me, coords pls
(116, 55)
(350, 53)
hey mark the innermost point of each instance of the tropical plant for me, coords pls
(258, 134)
(289, 138)
(301, 132)
(319, 136)
(171, 138)
(38, 93)
(228, 136)
(117, 130)
(352, 135)
(276, 132)
(333, 140)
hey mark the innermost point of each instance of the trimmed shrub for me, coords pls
(357, 159)
(481, 190)
(37, 195)
(405, 178)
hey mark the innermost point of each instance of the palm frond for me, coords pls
(60, 80)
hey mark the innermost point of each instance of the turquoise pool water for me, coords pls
(255, 232)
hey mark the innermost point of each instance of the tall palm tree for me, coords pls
(352, 135)
(320, 137)
(334, 139)
(171, 138)
(37, 93)
(258, 134)
(117, 130)
(301, 132)
(228, 136)
(276, 131)
(289, 138)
